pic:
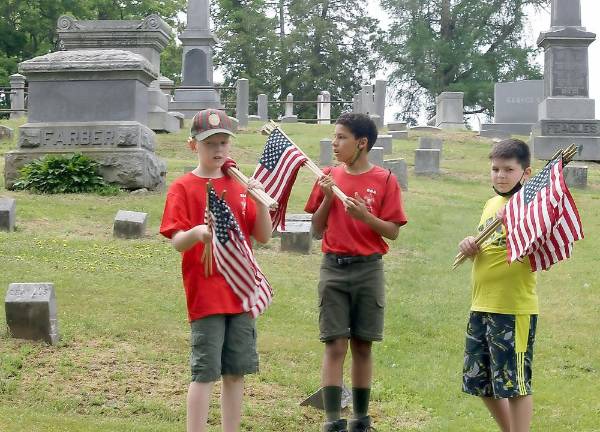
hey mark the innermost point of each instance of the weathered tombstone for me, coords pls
(356, 103)
(315, 400)
(147, 37)
(427, 161)
(567, 115)
(430, 142)
(297, 237)
(8, 210)
(576, 175)
(396, 126)
(385, 141)
(398, 134)
(197, 91)
(324, 116)
(377, 120)
(449, 111)
(399, 168)
(493, 133)
(326, 152)
(130, 224)
(5, 133)
(263, 111)
(31, 312)
(376, 155)
(367, 102)
(515, 107)
(289, 116)
(242, 101)
(92, 102)
(17, 99)
(380, 89)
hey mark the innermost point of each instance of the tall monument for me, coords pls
(567, 114)
(197, 90)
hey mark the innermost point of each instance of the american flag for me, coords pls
(234, 258)
(277, 170)
(541, 220)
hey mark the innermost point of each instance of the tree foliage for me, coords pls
(455, 45)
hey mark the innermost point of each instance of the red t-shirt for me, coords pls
(345, 235)
(184, 209)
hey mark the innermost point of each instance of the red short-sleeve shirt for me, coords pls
(184, 209)
(345, 235)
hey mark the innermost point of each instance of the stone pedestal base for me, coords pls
(162, 121)
(544, 147)
(510, 128)
(190, 101)
(448, 125)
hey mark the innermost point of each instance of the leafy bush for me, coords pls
(63, 174)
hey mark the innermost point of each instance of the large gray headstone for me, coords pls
(399, 168)
(380, 93)
(576, 176)
(130, 224)
(427, 161)
(385, 141)
(5, 133)
(297, 237)
(429, 142)
(263, 109)
(376, 155)
(31, 311)
(17, 100)
(8, 209)
(449, 111)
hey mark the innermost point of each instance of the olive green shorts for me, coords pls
(351, 299)
(223, 345)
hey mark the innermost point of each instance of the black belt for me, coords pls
(345, 259)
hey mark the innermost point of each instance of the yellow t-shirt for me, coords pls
(499, 287)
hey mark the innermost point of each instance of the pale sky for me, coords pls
(540, 21)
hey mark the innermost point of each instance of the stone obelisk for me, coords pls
(197, 88)
(567, 114)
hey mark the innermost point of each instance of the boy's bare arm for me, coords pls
(263, 228)
(319, 218)
(356, 208)
(183, 240)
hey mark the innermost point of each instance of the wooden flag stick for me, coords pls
(258, 194)
(206, 258)
(567, 156)
(271, 126)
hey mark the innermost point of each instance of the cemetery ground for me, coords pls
(122, 363)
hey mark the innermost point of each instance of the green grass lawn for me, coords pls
(122, 362)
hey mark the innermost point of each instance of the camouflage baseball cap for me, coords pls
(209, 122)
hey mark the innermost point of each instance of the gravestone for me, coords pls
(429, 142)
(576, 175)
(263, 112)
(380, 91)
(427, 161)
(515, 107)
(253, 118)
(449, 110)
(431, 129)
(567, 114)
(367, 103)
(376, 155)
(147, 37)
(297, 237)
(242, 101)
(324, 108)
(31, 312)
(385, 141)
(495, 134)
(315, 400)
(8, 210)
(399, 168)
(197, 90)
(356, 103)
(130, 224)
(398, 134)
(6, 133)
(396, 126)
(17, 99)
(326, 152)
(289, 116)
(93, 102)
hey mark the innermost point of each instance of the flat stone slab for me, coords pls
(31, 312)
(130, 224)
(297, 236)
(8, 209)
(427, 161)
(576, 175)
(6, 133)
(399, 134)
(494, 133)
(315, 400)
(396, 126)
(431, 129)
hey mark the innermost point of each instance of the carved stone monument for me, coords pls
(31, 311)
(197, 90)
(92, 102)
(449, 111)
(567, 114)
(147, 37)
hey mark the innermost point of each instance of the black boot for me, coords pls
(335, 426)
(362, 424)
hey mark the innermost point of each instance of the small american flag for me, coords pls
(277, 170)
(234, 258)
(541, 220)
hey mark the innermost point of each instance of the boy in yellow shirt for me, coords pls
(504, 308)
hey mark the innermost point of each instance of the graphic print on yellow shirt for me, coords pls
(499, 287)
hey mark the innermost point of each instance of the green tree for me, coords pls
(455, 45)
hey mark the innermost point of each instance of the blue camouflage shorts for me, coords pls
(499, 355)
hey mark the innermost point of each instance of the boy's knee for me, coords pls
(361, 349)
(336, 349)
(233, 379)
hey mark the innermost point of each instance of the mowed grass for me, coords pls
(122, 362)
